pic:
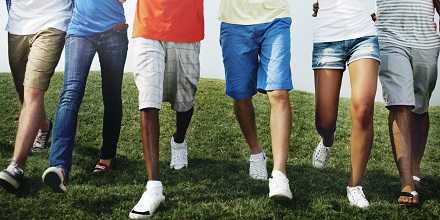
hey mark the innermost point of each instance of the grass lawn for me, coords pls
(216, 184)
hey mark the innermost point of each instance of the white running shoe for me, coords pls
(179, 155)
(321, 155)
(279, 186)
(54, 177)
(148, 204)
(257, 166)
(356, 197)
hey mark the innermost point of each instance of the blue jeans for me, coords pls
(111, 47)
(256, 57)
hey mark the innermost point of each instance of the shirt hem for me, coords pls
(252, 22)
(349, 37)
(168, 39)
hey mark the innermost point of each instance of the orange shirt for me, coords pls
(169, 20)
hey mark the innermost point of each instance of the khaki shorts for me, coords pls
(166, 71)
(33, 58)
(408, 75)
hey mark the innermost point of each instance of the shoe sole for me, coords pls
(8, 186)
(358, 207)
(138, 216)
(52, 180)
(279, 197)
(174, 167)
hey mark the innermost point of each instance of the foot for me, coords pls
(41, 141)
(179, 155)
(103, 166)
(321, 156)
(257, 166)
(409, 199)
(356, 197)
(11, 178)
(149, 202)
(54, 177)
(279, 186)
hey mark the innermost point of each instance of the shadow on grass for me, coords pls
(209, 180)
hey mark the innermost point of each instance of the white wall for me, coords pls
(211, 59)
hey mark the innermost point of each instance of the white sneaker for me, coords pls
(179, 155)
(54, 177)
(149, 202)
(279, 186)
(356, 197)
(321, 156)
(257, 166)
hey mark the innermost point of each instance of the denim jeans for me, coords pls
(111, 47)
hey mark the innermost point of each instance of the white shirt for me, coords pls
(31, 16)
(340, 20)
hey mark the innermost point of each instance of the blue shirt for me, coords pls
(95, 16)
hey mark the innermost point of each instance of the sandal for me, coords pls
(413, 195)
(101, 168)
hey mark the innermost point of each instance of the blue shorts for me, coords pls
(256, 57)
(339, 54)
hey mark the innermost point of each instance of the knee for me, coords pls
(279, 99)
(32, 95)
(71, 96)
(362, 113)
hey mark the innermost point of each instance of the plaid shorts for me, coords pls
(166, 71)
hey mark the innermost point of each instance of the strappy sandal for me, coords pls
(412, 195)
(101, 168)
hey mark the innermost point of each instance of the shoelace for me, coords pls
(322, 153)
(41, 138)
(178, 156)
(13, 168)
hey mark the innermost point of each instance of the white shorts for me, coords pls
(166, 71)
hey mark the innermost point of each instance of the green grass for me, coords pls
(216, 184)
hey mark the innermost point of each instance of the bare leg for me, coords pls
(363, 78)
(244, 112)
(327, 88)
(420, 130)
(150, 131)
(280, 127)
(30, 119)
(400, 123)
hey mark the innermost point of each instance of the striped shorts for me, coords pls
(166, 72)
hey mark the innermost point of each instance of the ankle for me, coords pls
(106, 162)
(258, 156)
(45, 125)
(154, 186)
(178, 139)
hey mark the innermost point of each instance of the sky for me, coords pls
(211, 58)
